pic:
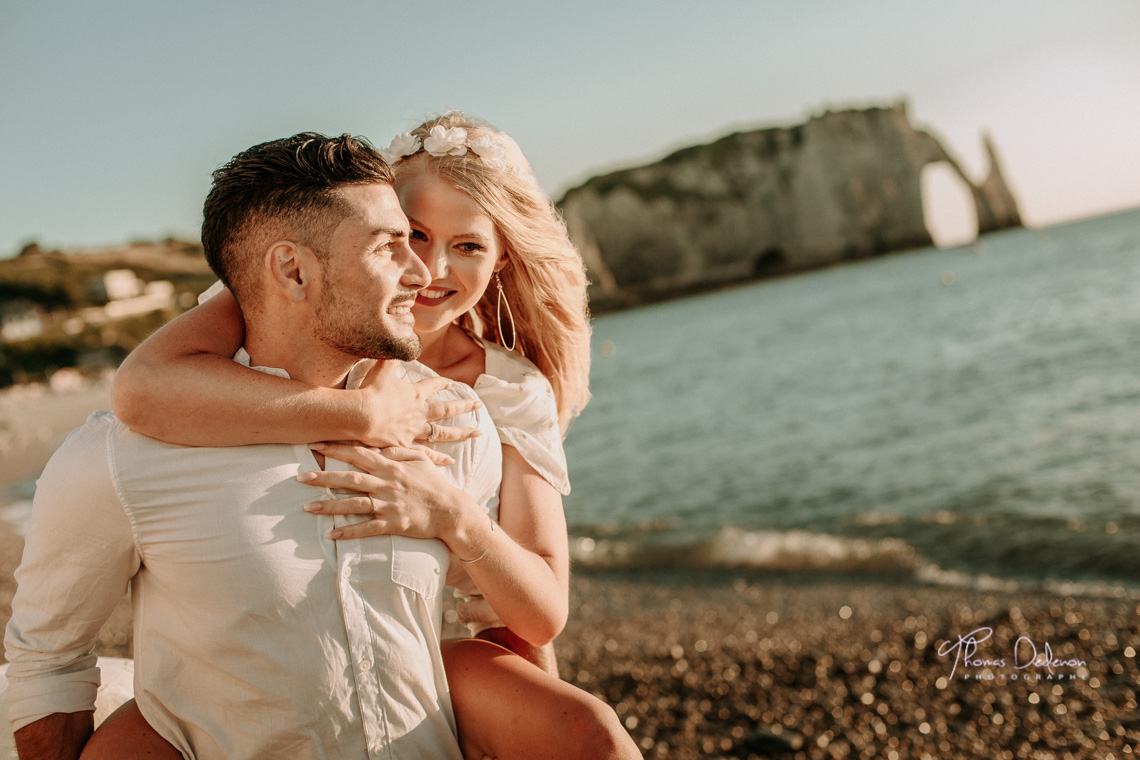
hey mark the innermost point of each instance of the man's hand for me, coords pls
(59, 736)
(398, 413)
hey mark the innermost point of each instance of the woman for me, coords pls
(505, 277)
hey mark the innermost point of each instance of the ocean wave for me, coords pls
(791, 551)
(798, 551)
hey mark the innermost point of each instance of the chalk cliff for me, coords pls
(845, 185)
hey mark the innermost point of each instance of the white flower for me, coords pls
(446, 142)
(401, 146)
(490, 150)
(525, 174)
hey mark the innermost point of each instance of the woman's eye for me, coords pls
(469, 248)
(418, 236)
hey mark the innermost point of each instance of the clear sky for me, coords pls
(114, 113)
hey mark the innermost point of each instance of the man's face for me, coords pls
(370, 279)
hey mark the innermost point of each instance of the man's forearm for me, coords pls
(59, 736)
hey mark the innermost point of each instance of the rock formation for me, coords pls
(845, 185)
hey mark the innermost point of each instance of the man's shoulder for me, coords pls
(82, 463)
(476, 459)
(90, 435)
(105, 444)
(413, 372)
(92, 446)
(102, 430)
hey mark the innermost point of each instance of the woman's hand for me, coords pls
(401, 489)
(406, 495)
(398, 413)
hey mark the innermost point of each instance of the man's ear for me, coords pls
(291, 268)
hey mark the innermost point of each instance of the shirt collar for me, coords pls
(356, 375)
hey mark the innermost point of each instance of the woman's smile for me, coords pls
(433, 296)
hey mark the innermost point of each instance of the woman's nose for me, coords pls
(436, 262)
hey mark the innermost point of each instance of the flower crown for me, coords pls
(495, 149)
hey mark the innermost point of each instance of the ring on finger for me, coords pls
(373, 503)
(433, 435)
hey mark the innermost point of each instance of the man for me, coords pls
(255, 635)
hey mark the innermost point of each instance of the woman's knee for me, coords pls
(513, 709)
(596, 729)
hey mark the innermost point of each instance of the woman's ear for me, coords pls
(291, 267)
(502, 262)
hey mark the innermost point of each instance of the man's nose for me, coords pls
(416, 274)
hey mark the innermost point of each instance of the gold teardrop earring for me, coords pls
(499, 316)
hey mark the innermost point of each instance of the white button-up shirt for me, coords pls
(254, 635)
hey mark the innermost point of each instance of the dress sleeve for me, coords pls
(211, 291)
(521, 402)
(79, 557)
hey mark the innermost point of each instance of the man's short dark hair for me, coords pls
(279, 189)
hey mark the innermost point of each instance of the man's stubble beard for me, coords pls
(352, 330)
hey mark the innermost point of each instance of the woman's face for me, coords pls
(455, 239)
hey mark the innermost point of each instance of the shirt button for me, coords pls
(364, 666)
(436, 570)
(347, 572)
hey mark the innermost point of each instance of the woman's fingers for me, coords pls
(407, 453)
(430, 386)
(365, 457)
(369, 458)
(443, 410)
(437, 457)
(375, 527)
(352, 505)
(360, 482)
(435, 433)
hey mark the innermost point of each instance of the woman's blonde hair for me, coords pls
(544, 281)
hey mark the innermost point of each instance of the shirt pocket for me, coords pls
(419, 564)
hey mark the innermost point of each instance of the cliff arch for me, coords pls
(845, 185)
(948, 206)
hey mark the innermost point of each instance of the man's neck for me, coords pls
(304, 358)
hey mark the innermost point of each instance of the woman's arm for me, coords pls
(181, 386)
(532, 519)
(524, 570)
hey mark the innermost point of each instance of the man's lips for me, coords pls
(402, 307)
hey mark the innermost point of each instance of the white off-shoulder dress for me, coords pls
(520, 402)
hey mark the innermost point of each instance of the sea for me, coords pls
(965, 416)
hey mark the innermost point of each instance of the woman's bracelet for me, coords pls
(485, 551)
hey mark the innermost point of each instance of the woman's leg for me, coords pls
(542, 656)
(126, 735)
(509, 709)
(506, 708)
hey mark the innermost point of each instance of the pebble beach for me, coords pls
(717, 666)
(723, 664)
